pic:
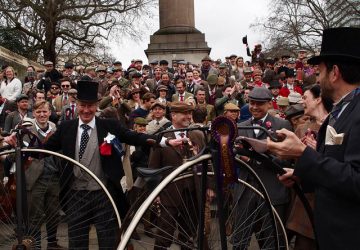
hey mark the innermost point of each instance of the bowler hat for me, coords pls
(260, 94)
(87, 91)
(339, 44)
(180, 107)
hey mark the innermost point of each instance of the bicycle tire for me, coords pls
(36, 227)
(147, 243)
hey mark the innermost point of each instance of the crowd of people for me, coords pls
(274, 93)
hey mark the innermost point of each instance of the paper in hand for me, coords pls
(332, 137)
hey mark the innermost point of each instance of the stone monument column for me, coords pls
(177, 39)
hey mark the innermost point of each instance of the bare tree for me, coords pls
(298, 24)
(52, 26)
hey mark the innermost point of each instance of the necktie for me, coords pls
(65, 100)
(334, 114)
(72, 111)
(84, 139)
(181, 98)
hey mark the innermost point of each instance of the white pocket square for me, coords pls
(332, 137)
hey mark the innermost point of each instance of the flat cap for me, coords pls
(154, 62)
(117, 63)
(100, 68)
(162, 87)
(295, 97)
(158, 104)
(231, 107)
(48, 63)
(206, 58)
(290, 73)
(212, 79)
(291, 61)
(283, 101)
(294, 110)
(248, 70)
(135, 75)
(257, 72)
(180, 107)
(260, 94)
(182, 62)
(72, 91)
(275, 84)
(22, 97)
(222, 66)
(138, 60)
(140, 121)
(232, 56)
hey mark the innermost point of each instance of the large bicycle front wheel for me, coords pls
(58, 216)
(169, 217)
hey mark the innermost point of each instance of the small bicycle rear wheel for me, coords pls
(251, 221)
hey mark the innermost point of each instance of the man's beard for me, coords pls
(326, 90)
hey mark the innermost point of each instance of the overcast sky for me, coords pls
(224, 23)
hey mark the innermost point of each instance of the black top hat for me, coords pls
(339, 44)
(244, 40)
(275, 84)
(87, 91)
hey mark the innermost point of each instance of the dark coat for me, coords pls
(173, 156)
(334, 172)
(277, 192)
(8, 108)
(65, 139)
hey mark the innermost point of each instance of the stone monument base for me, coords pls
(190, 47)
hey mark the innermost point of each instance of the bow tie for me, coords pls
(257, 122)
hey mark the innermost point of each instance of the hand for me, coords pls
(291, 147)
(11, 139)
(114, 92)
(210, 195)
(288, 179)
(176, 142)
(309, 140)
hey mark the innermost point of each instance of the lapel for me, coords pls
(177, 149)
(101, 130)
(320, 144)
(343, 118)
(261, 132)
(70, 140)
(248, 132)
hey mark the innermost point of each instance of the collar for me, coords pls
(40, 131)
(91, 123)
(262, 119)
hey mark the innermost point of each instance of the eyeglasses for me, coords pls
(54, 87)
(65, 86)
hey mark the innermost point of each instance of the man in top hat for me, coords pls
(69, 111)
(275, 87)
(80, 139)
(332, 169)
(181, 116)
(290, 85)
(259, 105)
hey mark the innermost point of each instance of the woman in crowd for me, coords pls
(10, 87)
(238, 70)
(318, 109)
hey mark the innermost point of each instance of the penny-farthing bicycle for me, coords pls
(35, 209)
(177, 210)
